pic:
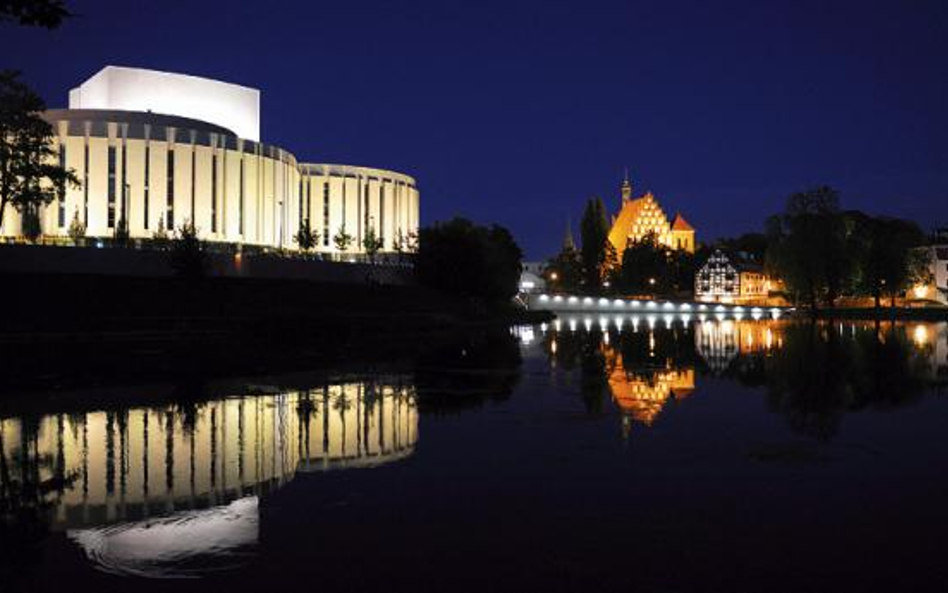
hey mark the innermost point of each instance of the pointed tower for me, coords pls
(626, 188)
(568, 242)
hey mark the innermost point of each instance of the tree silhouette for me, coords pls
(48, 14)
(29, 177)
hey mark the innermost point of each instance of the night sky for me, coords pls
(516, 112)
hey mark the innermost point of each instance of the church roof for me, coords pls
(619, 233)
(680, 224)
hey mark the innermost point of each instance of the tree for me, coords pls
(120, 234)
(468, 260)
(77, 228)
(809, 247)
(342, 240)
(411, 241)
(188, 253)
(39, 13)
(29, 179)
(160, 236)
(887, 255)
(399, 242)
(643, 266)
(595, 251)
(372, 242)
(564, 273)
(306, 237)
(35, 13)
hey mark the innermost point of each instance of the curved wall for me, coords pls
(231, 105)
(160, 170)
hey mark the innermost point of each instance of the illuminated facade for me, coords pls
(641, 395)
(720, 342)
(721, 280)
(132, 464)
(937, 256)
(158, 150)
(642, 216)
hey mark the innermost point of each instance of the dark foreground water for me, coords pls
(613, 454)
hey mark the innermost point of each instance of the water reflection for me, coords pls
(148, 490)
(812, 373)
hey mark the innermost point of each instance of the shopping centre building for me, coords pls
(160, 150)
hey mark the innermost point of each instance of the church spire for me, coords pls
(568, 242)
(626, 187)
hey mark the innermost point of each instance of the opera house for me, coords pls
(156, 150)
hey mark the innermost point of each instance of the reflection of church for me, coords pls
(640, 394)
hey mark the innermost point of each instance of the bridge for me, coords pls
(559, 303)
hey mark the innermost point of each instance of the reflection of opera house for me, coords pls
(144, 486)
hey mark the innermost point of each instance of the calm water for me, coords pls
(590, 454)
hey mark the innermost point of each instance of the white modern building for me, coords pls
(158, 150)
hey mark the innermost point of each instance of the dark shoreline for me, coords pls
(881, 314)
(67, 332)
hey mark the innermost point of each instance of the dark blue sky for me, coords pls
(516, 112)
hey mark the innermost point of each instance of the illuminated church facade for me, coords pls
(639, 217)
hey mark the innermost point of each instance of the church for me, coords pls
(643, 215)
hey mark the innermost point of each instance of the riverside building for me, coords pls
(156, 150)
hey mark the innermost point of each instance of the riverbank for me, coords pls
(84, 329)
(881, 314)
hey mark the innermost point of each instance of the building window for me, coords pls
(214, 193)
(240, 200)
(365, 206)
(111, 190)
(381, 212)
(85, 182)
(147, 182)
(126, 198)
(193, 181)
(301, 203)
(326, 214)
(170, 202)
(62, 187)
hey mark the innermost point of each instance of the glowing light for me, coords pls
(544, 298)
(920, 291)
(920, 336)
(232, 106)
